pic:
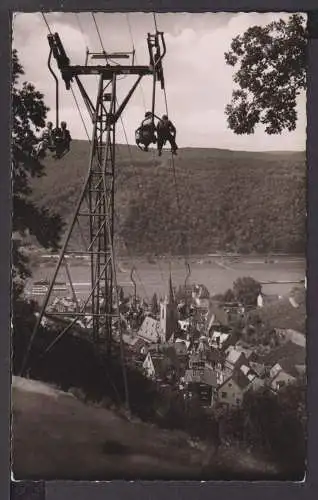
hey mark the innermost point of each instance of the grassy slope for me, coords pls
(235, 201)
(56, 436)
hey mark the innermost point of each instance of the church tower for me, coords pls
(168, 314)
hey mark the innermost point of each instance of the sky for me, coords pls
(199, 83)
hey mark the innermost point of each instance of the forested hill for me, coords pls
(229, 201)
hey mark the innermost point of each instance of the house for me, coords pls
(136, 344)
(181, 346)
(202, 383)
(292, 336)
(196, 361)
(255, 381)
(281, 374)
(264, 300)
(219, 340)
(248, 353)
(281, 379)
(151, 331)
(158, 367)
(285, 372)
(232, 390)
(258, 369)
(234, 358)
(215, 358)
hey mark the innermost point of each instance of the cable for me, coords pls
(126, 245)
(80, 113)
(183, 235)
(134, 50)
(133, 263)
(99, 36)
(129, 149)
(80, 27)
(155, 21)
(47, 24)
(145, 109)
(136, 173)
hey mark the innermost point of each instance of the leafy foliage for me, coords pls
(28, 115)
(242, 202)
(271, 75)
(278, 423)
(282, 314)
(246, 290)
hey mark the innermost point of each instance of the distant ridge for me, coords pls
(231, 201)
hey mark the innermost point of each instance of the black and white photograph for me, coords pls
(159, 246)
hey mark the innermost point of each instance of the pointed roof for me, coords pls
(171, 294)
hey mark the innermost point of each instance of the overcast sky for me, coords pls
(198, 82)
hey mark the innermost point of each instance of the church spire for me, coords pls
(171, 294)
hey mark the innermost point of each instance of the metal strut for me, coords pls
(56, 88)
(157, 51)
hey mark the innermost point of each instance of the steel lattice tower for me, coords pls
(95, 207)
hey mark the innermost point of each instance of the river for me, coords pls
(216, 273)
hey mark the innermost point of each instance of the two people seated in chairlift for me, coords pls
(56, 140)
(149, 133)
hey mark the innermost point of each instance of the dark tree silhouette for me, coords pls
(155, 304)
(28, 116)
(271, 74)
(246, 290)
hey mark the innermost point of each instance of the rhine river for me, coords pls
(216, 273)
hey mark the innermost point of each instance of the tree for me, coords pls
(229, 296)
(271, 421)
(28, 116)
(29, 113)
(246, 290)
(121, 294)
(154, 305)
(271, 74)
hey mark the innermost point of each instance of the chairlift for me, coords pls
(144, 138)
(146, 135)
(143, 141)
(59, 141)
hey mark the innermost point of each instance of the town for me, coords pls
(210, 348)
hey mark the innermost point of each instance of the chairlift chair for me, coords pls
(143, 139)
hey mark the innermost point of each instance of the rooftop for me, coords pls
(150, 330)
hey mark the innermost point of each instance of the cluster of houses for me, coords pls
(200, 354)
(191, 344)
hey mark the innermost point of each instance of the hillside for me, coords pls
(56, 436)
(230, 201)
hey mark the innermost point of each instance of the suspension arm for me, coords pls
(56, 87)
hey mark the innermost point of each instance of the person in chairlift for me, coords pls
(46, 140)
(66, 136)
(147, 130)
(62, 140)
(166, 131)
